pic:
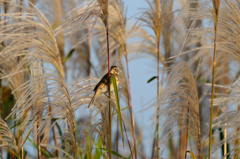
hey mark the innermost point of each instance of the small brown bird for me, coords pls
(102, 86)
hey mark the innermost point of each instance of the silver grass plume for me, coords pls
(228, 52)
(35, 31)
(228, 44)
(35, 42)
(230, 119)
(157, 17)
(7, 139)
(178, 101)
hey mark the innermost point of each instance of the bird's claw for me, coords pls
(106, 95)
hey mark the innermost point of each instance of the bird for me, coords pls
(102, 86)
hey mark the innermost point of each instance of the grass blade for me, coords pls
(25, 139)
(113, 152)
(98, 152)
(44, 152)
(69, 55)
(13, 153)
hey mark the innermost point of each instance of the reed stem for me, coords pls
(110, 114)
(1, 104)
(38, 141)
(158, 93)
(186, 137)
(127, 136)
(131, 106)
(216, 5)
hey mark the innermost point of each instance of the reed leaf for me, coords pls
(113, 80)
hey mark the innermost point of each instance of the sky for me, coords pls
(141, 70)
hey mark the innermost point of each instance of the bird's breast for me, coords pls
(117, 82)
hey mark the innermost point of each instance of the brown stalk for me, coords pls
(20, 19)
(89, 52)
(5, 4)
(117, 135)
(54, 133)
(58, 4)
(38, 140)
(199, 145)
(127, 136)
(180, 134)
(130, 108)
(158, 93)
(104, 17)
(1, 104)
(216, 6)
(158, 31)
(236, 141)
(186, 138)
(110, 120)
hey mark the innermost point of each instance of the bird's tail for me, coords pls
(94, 97)
(91, 101)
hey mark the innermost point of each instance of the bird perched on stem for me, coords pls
(102, 86)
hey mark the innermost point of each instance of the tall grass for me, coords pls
(53, 53)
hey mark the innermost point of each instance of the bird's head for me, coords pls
(114, 70)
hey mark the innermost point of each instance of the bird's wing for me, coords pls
(104, 80)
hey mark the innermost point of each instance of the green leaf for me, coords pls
(113, 152)
(59, 128)
(151, 79)
(98, 152)
(122, 109)
(89, 143)
(69, 55)
(15, 125)
(44, 152)
(113, 80)
(13, 153)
